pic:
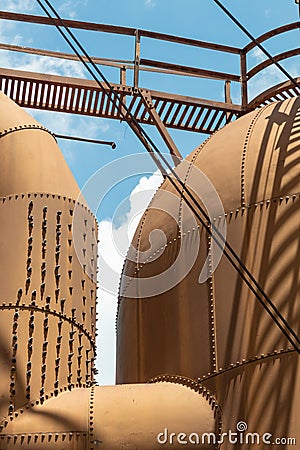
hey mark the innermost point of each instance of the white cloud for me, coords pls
(119, 231)
(17, 5)
(68, 8)
(113, 247)
(58, 123)
(270, 76)
(106, 340)
(33, 63)
(40, 64)
(258, 55)
(150, 3)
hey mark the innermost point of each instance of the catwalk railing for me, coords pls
(164, 109)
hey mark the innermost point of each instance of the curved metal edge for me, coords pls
(286, 89)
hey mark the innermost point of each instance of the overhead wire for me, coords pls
(112, 96)
(152, 148)
(257, 43)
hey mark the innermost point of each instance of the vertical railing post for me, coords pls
(123, 76)
(227, 95)
(137, 59)
(227, 91)
(122, 110)
(244, 86)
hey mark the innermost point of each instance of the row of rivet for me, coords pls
(35, 195)
(58, 350)
(149, 258)
(89, 367)
(42, 291)
(93, 297)
(25, 127)
(43, 264)
(44, 243)
(70, 256)
(29, 247)
(91, 418)
(44, 232)
(93, 257)
(244, 155)
(33, 308)
(6, 420)
(13, 362)
(84, 249)
(211, 300)
(72, 332)
(262, 204)
(188, 172)
(57, 274)
(41, 438)
(43, 273)
(244, 361)
(44, 354)
(29, 353)
(195, 386)
(229, 215)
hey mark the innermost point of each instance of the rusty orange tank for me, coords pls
(216, 332)
(221, 373)
(49, 398)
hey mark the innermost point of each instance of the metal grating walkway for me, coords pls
(80, 96)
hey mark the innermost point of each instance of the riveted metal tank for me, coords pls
(47, 330)
(48, 252)
(216, 332)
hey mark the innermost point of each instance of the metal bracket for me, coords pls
(147, 100)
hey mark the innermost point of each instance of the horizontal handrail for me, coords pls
(275, 32)
(139, 64)
(145, 64)
(118, 30)
(263, 65)
(203, 73)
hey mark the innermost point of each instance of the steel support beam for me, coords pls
(175, 153)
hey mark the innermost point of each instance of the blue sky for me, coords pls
(198, 19)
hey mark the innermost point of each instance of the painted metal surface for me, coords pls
(110, 417)
(216, 332)
(211, 354)
(48, 253)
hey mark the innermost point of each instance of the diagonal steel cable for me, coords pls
(151, 147)
(256, 42)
